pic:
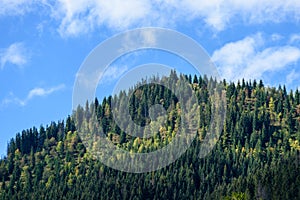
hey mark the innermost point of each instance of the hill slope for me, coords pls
(256, 157)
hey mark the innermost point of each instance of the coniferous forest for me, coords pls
(256, 156)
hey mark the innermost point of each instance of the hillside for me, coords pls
(256, 157)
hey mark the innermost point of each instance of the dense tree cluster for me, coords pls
(256, 157)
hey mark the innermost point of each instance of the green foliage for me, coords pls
(256, 157)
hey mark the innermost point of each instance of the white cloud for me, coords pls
(36, 92)
(148, 38)
(39, 92)
(131, 41)
(113, 73)
(232, 57)
(294, 38)
(89, 80)
(292, 76)
(14, 54)
(220, 14)
(83, 16)
(249, 59)
(276, 37)
(15, 7)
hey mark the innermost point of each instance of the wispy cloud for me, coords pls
(35, 92)
(15, 7)
(90, 80)
(292, 76)
(250, 59)
(15, 54)
(276, 37)
(39, 92)
(113, 73)
(295, 38)
(143, 37)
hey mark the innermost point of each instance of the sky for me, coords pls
(43, 43)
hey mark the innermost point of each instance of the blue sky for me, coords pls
(43, 43)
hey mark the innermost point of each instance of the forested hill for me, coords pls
(256, 156)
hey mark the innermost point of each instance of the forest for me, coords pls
(256, 156)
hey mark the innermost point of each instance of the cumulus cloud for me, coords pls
(82, 16)
(249, 59)
(35, 92)
(14, 54)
